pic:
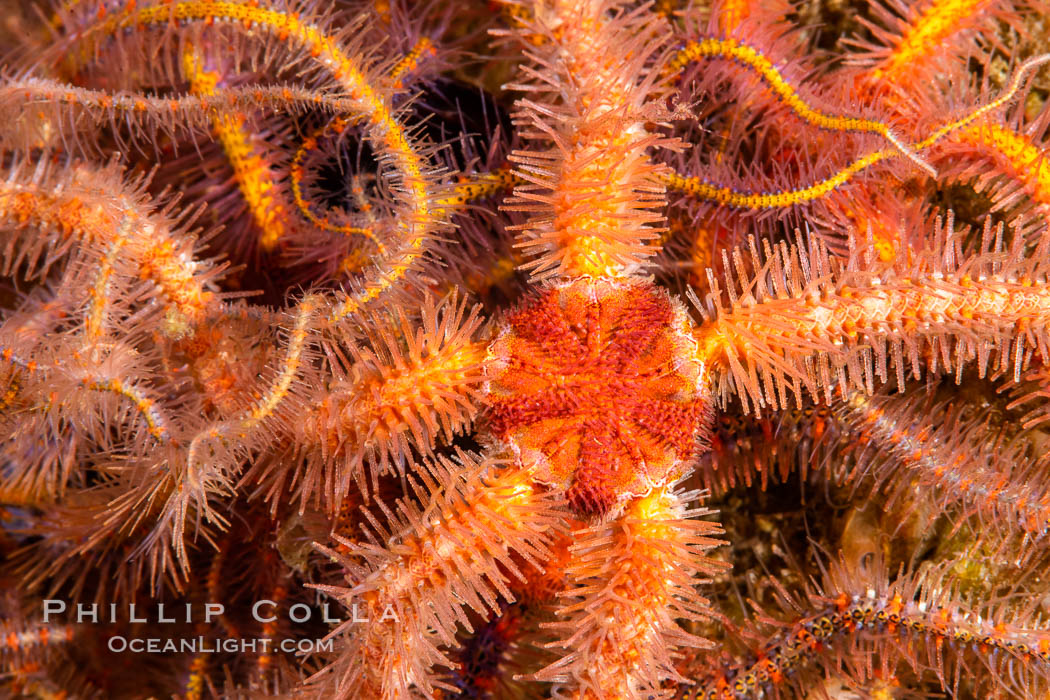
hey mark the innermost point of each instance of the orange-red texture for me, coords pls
(597, 382)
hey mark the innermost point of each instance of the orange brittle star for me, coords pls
(160, 433)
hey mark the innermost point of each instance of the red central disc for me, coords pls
(597, 382)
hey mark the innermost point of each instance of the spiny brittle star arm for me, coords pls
(697, 187)
(416, 220)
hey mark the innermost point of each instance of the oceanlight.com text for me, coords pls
(202, 645)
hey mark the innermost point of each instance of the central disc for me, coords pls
(598, 383)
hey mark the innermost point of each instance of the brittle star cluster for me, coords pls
(428, 337)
